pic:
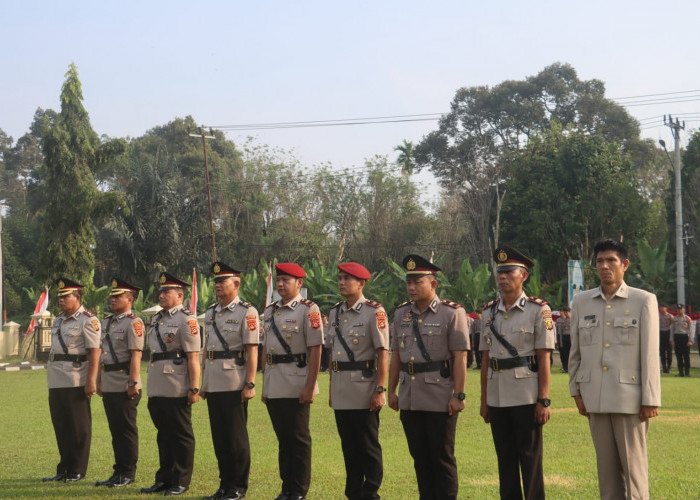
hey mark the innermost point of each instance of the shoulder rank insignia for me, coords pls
(107, 316)
(88, 314)
(307, 302)
(186, 311)
(212, 306)
(337, 304)
(537, 301)
(453, 305)
(492, 303)
(373, 304)
(245, 304)
(407, 303)
(131, 316)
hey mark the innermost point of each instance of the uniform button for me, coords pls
(607, 346)
(607, 323)
(420, 321)
(627, 312)
(437, 380)
(500, 371)
(605, 368)
(345, 321)
(527, 373)
(412, 358)
(634, 379)
(413, 378)
(362, 378)
(500, 352)
(624, 324)
(338, 352)
(608, 306)
(430, 333)
(505, 316)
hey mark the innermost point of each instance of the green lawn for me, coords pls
(28, 450)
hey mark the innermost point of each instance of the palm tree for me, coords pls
(405, 158)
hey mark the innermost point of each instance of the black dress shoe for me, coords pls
(73, 477)
(176, 490)
(283, 496)
(155, 488)
(58, 477)
(297, 497)
(233, 495)
(217, 495)
(120, 481)
(107, 482)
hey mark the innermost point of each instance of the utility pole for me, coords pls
(206, 175)
(676, 128)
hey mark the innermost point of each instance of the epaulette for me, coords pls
(373, 304)
(107, 316)
(538, 301)
(407, 303)
(245, 304)
(453, 305)
(212, 306)
(337, 304)
(131, 316)
(307, 302)
(492, 303)
(186, 311)
(89, 314)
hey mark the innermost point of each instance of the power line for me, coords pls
(652, 95)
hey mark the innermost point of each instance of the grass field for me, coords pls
(28, 449)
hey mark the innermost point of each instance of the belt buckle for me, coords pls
(410, 368)
(494, 363)
(210, 354)
(269, 359)
(51, 356)
(151, 357)
(335, 366)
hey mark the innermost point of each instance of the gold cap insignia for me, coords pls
(114, 283)
(217, 268)
(61, 284)
(162, 279)
(502, 256)
(411, 265)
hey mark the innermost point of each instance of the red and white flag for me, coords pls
(41, 306)
(194, 298)
(432, 255)
(268, 292)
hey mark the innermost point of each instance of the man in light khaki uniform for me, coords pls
(614, 372)
(682, 339)
(119, 380)
(429, 343)
(358, 340)
(173, 386)
(665, 349)
(71, 371)
(231, 361)
(516, 346)
(292, 356)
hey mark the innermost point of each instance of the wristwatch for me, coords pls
(132, 383)
(250, 385)
(459, 395)
(194, 390)
(380, 388)
(544, 402)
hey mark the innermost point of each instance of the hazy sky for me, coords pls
(143, 63)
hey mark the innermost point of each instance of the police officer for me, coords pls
(173, 386)
(357, 341)
(516, 345)
(475, 329)
(681, 340)
(292, 355)
(73, 362)
(665, 350)
(429, 343)
(231, 361)
(119, 380)
(563, 327)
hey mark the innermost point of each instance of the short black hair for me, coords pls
(565, 308)
(605, 245)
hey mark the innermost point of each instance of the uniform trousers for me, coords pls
(620, 442)
(682, 353)
(359, 438)
(431, 442)
(665, 350)
(228, 419)
(72, 424)
(121, 414)
(564, 351)
(290, 420)
(517, 438)
(475, 347)
(172, 418)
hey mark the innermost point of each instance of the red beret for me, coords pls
(291, 269)
(354, 269)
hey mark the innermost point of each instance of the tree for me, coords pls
(72, 153)
(405, 158)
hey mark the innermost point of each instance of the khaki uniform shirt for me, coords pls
(528, 326)
(299, 323)
(476, 326)
(126, 333)
(665, 321)
(80, 332)
(180, 332)
(682, 325)
(239, 325)
(614, 359)
(444, 328)
(365, 329)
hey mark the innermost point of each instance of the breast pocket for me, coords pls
(525, 338)
(586, 330)
(434, 336)
(626, 330)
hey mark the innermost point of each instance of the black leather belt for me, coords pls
(428, 366)
(286, 358)
(339, 366)
(113, 367)
(75, 358)
(508, 363)
(160, 356)
(225, 354)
